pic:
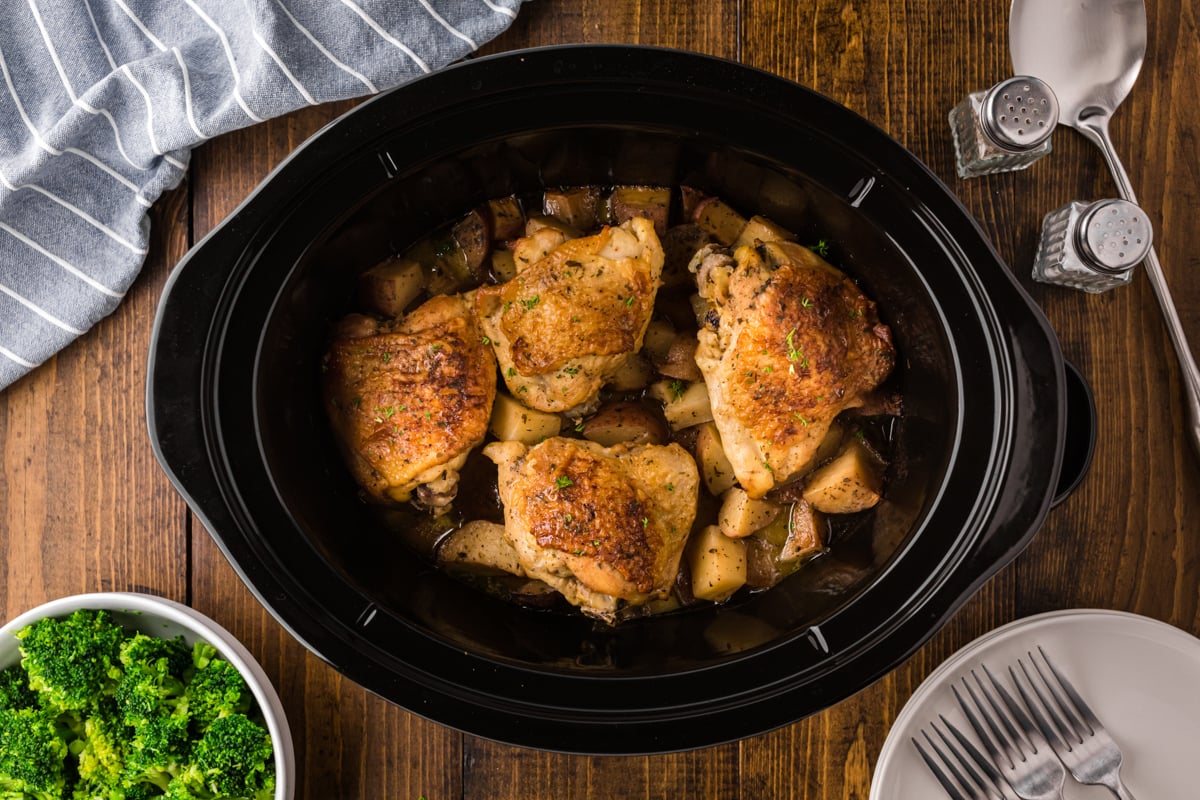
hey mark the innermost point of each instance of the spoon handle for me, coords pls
(1096, 129)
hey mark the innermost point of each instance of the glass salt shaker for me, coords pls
(1004, 129)
(1092, 246)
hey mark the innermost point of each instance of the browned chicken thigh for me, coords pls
(603, 526)
(409, 398)
(568, 321)
(788, 342)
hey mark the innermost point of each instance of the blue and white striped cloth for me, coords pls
(102, 101)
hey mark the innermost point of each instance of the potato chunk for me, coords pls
(506, 218)
(388, 288)
(479, 547)
(651, 202)
(513, 422)
(742, 515)
(805, 533)
(625, 422)
(577, 206)
(684, 405)
(714, 464)
(717, 564)
(761, 229)
(849, 483)
(718, 219)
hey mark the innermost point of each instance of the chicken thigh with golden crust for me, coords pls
(603, 526)
(788, 342)
(409, 398)
(567, 322)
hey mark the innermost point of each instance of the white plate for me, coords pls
(1140, 676)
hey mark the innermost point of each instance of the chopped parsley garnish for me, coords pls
(645, 522)
(356, 402)
(387, 357)
(677, 388)
(571, 370)
(389, 412)
(562, 482)
(531, 302)
(629, 301)
(670, 487)
(821, 248)
(511, 371)
(805, 302)
(579, 426)
(486, 340)
(803, 421)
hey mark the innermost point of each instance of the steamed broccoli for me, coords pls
(232, 759)
(217, 690)
(73, 662)
(14, 689)
(94, 712)
(32, 755)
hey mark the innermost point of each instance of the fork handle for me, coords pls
(1117, 787)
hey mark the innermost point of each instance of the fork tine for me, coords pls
(978, 726)
(1064, 733)
(979, 758)
(1084, 711)
(1018, 714)
(942, 778)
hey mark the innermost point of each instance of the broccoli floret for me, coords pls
(73, 662)
(160, 749)
(100, 752)
(217, 690)
(166, 659)
(32, 755)
(153, 683)
(14, 689)
(232, 760)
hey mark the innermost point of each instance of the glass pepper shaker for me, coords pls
(1092, 246)
(1004, 129)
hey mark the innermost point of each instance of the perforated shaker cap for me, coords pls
(1114, 235)
(1019, 113)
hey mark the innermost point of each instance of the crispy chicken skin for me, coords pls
(600, 525)
(568, 321)
(409, 398)
(787, 343)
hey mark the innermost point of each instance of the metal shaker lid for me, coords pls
(1019, 113)
(1115, 235)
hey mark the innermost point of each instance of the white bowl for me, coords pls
(155, 616)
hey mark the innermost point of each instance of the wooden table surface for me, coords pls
(84, 506)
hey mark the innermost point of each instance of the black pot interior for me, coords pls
(323, 502)
(965, 489)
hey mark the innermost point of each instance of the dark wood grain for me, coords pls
(83, 506)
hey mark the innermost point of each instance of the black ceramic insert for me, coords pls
(235, 418)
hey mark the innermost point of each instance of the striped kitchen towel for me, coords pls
(102, 101)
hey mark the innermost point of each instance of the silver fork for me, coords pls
(972, 785)
(1080, 740)
(1020, 753)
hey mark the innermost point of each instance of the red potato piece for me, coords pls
(651, 202)
(680, 359)
(474, 235)
(388, 288)
(615, 423)
(577, 206)
(716, 217)
(506, 217)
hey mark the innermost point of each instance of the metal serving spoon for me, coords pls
(1090, 52)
